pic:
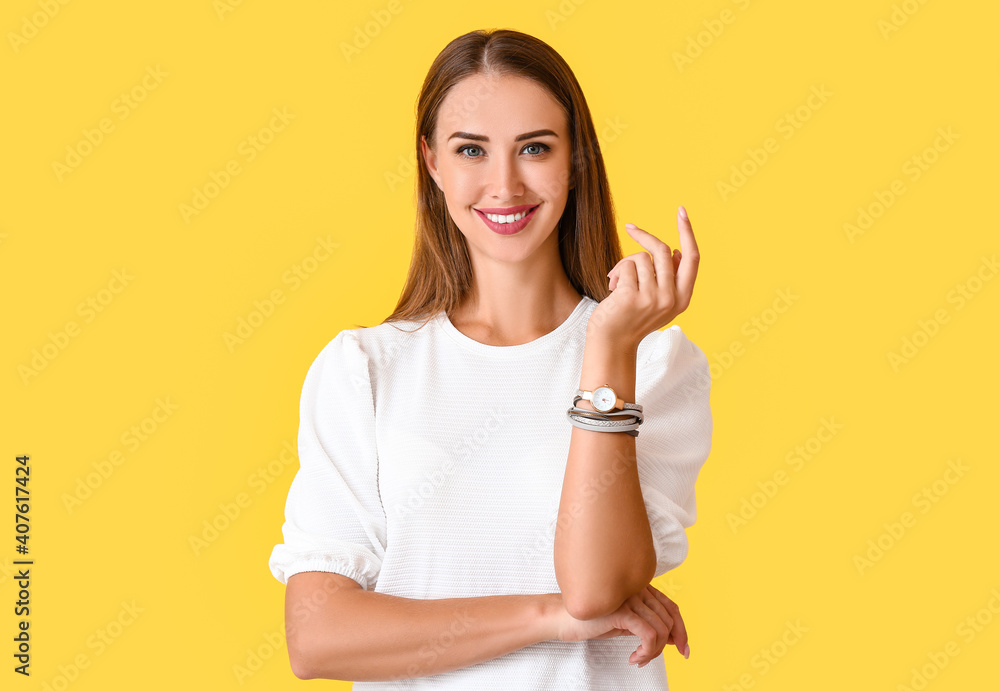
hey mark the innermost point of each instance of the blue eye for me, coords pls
(461, 151)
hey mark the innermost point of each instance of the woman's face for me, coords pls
(501, 144)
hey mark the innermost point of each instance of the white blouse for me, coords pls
(431, 466)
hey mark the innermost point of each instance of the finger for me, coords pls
(630, 257)
(668, 618)
(660, 610)
(643, 629)
(650, 649)
(625, 275)
(646, 275)
(656, 606)
(678, 631)
(622, 260)
(690, 258)
(661, 624)
(661, 256)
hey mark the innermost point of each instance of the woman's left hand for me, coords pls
(647, 292)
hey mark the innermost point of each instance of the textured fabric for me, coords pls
(421, 477)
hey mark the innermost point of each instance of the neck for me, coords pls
(513, 308)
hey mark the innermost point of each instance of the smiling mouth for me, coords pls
(512, 227)
(506, 212)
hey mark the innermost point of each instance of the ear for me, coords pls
(430, 158)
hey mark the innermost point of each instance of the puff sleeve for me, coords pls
(672, 385)
(334, 520)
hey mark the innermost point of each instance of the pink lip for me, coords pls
(508, 209)
(507, 228)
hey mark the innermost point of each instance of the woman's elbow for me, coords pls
(583, 610)
(599, 604)
(301, 663)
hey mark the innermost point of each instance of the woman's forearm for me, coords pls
(603, 542)
(370, 636)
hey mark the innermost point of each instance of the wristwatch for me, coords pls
(604, 399)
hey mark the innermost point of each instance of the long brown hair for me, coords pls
(440, 274)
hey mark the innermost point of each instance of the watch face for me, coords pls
(604, 399)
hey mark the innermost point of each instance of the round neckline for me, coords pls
(485, 348)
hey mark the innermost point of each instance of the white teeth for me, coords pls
(509, 218)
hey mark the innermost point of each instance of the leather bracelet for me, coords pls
(594, 426)
(623, 416)
(603, 422)
(617, 424)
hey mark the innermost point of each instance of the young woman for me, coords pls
(481, 502)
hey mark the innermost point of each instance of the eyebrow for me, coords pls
(484, 138)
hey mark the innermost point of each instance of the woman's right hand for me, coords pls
(648, 614)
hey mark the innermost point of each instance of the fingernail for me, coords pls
(687, 648)
(682, 211)
(631, 225)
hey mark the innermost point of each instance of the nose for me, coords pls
(505, 179)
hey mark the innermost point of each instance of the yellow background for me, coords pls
(340, 170)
